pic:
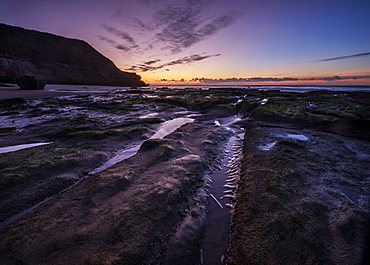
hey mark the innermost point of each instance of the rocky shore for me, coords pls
(302, 197)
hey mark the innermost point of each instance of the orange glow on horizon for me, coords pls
(344, 81)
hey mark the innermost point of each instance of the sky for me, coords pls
(323, 42)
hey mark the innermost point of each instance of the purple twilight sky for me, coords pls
(232, 40)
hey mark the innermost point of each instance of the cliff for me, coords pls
(56, 59)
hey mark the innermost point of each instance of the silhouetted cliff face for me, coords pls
(56, 59)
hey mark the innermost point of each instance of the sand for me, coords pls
(13, 91)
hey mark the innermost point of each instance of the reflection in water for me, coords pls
(298, 137)
(170, 126)
(166, 128)
(14, 148)
(222, 190)
(267, 146)
(120, 156)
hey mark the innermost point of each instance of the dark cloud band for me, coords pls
(123, 35)
(345, 57)
(115, 44)
(149, 65)
(127, 43)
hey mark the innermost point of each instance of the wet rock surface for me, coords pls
(302, 197)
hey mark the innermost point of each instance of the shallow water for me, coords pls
(14, 148)
(120, 156)
(222, 190)
(298, 137)
(350, 194)
(170, 126)
(165, 129)
(268, 145)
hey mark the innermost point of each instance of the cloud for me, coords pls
(331, 78)
(122, 47)
(149, 65)
(191, 59)
(128, 42)
(123, 35)
(166, 28)
(174, 25)
(115, 44)
(141, 26)
(151, 3)
(344, 57)
(183, 25)
(152, 62)
(218, 23)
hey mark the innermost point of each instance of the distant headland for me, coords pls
(56, 59)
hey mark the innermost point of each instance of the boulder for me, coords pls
(29, 82)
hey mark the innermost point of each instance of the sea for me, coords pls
(284, 88)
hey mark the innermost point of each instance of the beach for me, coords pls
(12, 91)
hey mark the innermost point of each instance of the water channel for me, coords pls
(222, 188)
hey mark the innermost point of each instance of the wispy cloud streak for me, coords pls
(183, 25)
(149, 65)
(123, 35)
(166, 28)
(115, 44)
(344, 57)
(128, 42)
(173, 25)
